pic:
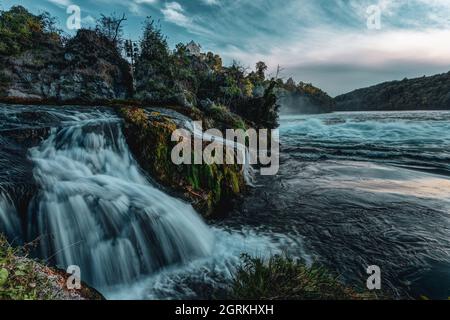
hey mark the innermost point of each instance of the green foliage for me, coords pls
(261, 111)
(261, 69)
(282, 278)
(163, 77)
(180, 77)
(303, 97)
(153, 43)
(224, 118)
(154, 70)
(18, 277)
(21, 30)
(209, 187)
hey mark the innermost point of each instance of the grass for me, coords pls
(22, 278)
(283, 278)
(18, 277)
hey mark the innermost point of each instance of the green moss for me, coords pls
(282, 278)
(232, 176)
(18, 278)
(227, 119)
(207, 186)
(193, 176)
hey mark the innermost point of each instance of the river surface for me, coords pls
(353, 190)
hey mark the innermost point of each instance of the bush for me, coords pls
(18, 278)
(282, 278)
(20, 30)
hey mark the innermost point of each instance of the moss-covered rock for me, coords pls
(211, 188)
(22, 278)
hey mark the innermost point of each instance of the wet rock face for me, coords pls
(210, 188)
(87, 69)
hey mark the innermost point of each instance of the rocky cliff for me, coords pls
(38, 64)
(81, 71)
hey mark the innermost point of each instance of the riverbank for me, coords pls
(22, 278)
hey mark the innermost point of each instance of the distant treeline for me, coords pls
(425, 93)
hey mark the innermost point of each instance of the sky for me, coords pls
(338, 45)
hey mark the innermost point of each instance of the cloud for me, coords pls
(174, 12)
(61, 3)
(135, 6)
(323, 41)
(211, 2)
(145, 1)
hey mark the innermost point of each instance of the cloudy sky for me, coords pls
(326, 42)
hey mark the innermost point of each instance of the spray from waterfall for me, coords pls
(97, 210)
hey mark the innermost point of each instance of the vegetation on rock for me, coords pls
(39, 64)
(191, 78)
(283, 278)
(303, 98)
(208, 187)
(24, 279)
(21, 31)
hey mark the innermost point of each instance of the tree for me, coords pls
(153, 44)
(290, 85)
(214, 61)
(261, 69)
(20, 30)
(155, 65)
(111, 27)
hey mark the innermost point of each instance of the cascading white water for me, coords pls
(9, 219)
(241, 150)
(96, 210)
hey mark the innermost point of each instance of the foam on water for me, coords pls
(208, 276)
(96, 210)
(363, 127)
(416, 140)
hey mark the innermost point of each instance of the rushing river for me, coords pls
(364, 189)
(353, 190)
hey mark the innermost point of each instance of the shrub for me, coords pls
(282, 278)
(18, 278)
(20, 30)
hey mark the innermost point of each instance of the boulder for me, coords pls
(211, 189)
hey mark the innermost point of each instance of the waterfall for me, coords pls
(98, 211)
(9, 219)
(241, 150)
